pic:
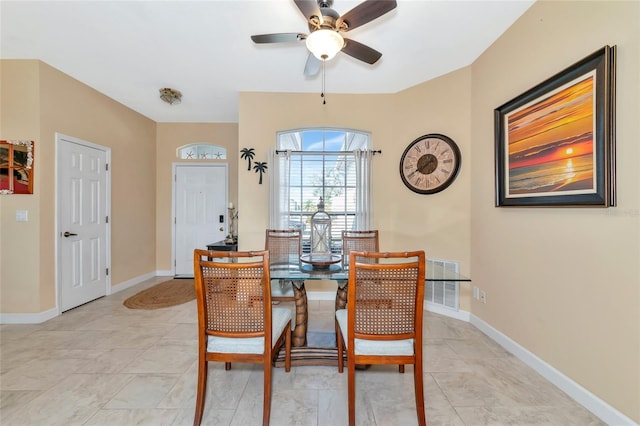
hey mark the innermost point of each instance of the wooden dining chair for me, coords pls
(358, 241)
(285, 248)
(354, 241)
(236, 322)
(383, 320)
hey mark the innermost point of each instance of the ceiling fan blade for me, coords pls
(312, 67)
(278, 37)
(365, 12)
(361, 51)
(309, 8)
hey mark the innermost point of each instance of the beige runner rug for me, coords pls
(169, 293)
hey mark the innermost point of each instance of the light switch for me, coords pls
(22, 215)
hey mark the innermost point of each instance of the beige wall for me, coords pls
(19, 241)
(170, 136)
(37, 102)
(438, 224)
(563, 282)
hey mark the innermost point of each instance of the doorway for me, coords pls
(199, 211)
(83, 196)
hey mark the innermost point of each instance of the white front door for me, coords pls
(200, 207)
(82, 211)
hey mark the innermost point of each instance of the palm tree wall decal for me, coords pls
(260, 167)
(248, 154)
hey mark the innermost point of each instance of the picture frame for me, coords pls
(16, 167)
(555, 143)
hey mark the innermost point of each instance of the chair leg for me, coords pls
(401, 368)
(351, 390)
(201, 392)
(266, 409)
(340, 303)
(419, 390)
(340, 345)
(287, 348)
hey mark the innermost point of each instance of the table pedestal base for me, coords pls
(303, 355)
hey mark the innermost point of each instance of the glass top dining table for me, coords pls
(435, 271)
(298, 273)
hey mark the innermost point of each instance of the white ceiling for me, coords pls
(128, 50)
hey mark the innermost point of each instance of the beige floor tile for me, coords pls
(38, 374)
(146, 416)
(105, 364)
(73, 400)
(290, 407)
(110, 361)
(143, 391)
(14, 401)
(167, 359)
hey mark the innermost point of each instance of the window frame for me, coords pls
(301, 205)
(205, 148)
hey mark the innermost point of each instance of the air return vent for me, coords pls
(444, 293)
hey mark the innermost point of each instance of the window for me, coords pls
(314, 163)
(202, 151)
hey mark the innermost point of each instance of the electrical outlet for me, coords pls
(483, 296)
(476, 293)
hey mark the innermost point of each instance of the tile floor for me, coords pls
(104, 364)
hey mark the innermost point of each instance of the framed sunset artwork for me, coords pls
(555, 144)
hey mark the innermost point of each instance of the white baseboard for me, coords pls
(164, 273)
(582, 396)
(40, 317)
(133, 281)
(451, 313)
(31, 318)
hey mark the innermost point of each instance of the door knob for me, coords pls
(69, 234)
(221, 228)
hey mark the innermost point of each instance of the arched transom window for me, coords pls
(201, 151)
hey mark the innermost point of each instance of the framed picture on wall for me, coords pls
(555, 143)
(16, 167)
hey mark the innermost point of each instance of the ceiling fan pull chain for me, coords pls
(324, 99)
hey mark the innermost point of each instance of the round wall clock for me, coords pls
(430, 163)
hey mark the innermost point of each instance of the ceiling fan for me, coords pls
(326, 27)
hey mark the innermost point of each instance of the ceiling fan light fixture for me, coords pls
(170, 96)
(325, 44)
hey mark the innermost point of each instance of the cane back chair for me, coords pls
(236, 322)
(358, 241)
(285, 248)
(383, 320)
(354, 241)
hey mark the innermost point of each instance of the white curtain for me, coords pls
(364, 189)
(279, 189)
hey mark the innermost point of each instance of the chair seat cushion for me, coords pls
(374, 347)
(254, 345)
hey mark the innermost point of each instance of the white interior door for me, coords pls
(200, 205)
(82, 211)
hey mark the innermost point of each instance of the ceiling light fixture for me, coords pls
(325, 44)
(170, 96)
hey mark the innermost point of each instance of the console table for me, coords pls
(222, 246)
